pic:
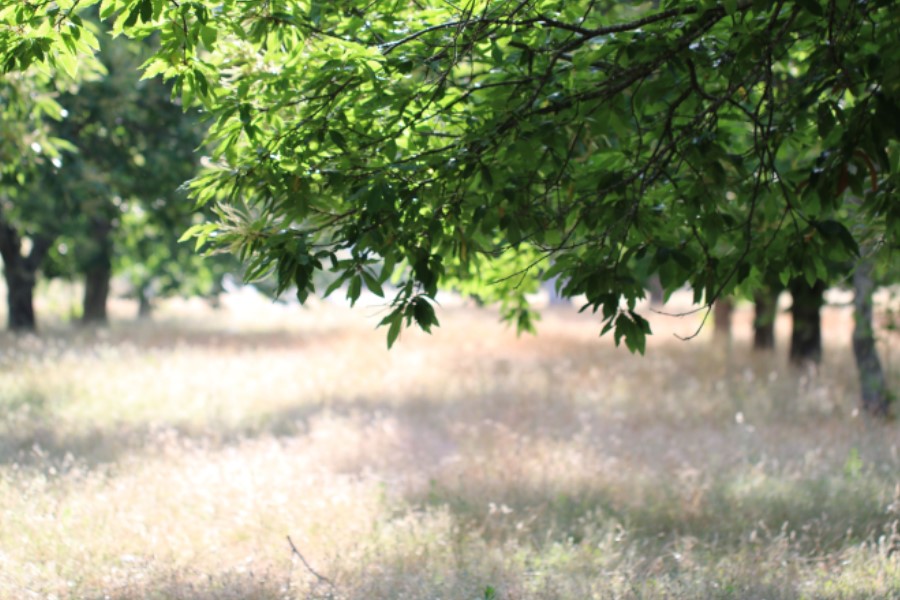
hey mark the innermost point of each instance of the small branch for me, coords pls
(585, 32)
(680, 315)
(320, 578)
(700, 328)
(622, 27)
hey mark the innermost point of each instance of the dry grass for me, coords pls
(172, 462)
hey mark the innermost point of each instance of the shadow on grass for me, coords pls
(160, 336)
(460, 458)
(811, 516)
(476, 576)
(31, 438)
(190, 586)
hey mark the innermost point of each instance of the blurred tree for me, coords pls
(38, 63)
(30, 218)
(156, 264)
(136, 148)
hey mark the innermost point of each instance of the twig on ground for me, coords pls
(320, 578)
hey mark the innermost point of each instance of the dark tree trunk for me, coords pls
(722, 310)
(873, 387)
(20, 273)
(96, 293)
(20, 300)
(765, 302)
(97, 275)
(145, 306)
(806, 337)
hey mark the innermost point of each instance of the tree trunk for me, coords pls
(97, 275)
(722, 310)
(20, 300)
(765, 302)
(96, 293)
(145, 307)
(20, 273)
(875, 397)
(806, 337)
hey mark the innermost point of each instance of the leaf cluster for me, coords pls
(487, 145)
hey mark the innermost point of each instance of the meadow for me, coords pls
(266, 452)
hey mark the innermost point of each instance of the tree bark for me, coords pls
(765, 303)
(722, 310)
(20, 273)
(97, 275)
(806, 337)
(873, 387)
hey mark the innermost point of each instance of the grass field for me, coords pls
(174, 461)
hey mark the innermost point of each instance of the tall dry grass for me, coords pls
(173, 462)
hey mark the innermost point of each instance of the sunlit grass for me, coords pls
(174, 461)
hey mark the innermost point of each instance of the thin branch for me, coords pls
(585, 32)
(318, 576)
(700, 328)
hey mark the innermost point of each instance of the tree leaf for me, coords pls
(372, 284)
(394, 329)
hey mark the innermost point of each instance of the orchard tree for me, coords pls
(36, 69)
(136, 147)
(21, 149)
(32, 216)
(485, 145)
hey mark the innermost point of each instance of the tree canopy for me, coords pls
(489, 144)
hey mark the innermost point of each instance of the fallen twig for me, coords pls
(321, 578)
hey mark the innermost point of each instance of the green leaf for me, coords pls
(154, 67)
(784, 277)
(423, 313)
(146, 8)
(636, 341)
(191, 232)
(354, 289)
(372, 284)
(394, 330)
(836, 232)
(337, 138)
(209, 35)
(496, 53)
(623, 326)
(641, 322)
(107, 8)
(132, 18)
(68, 63)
